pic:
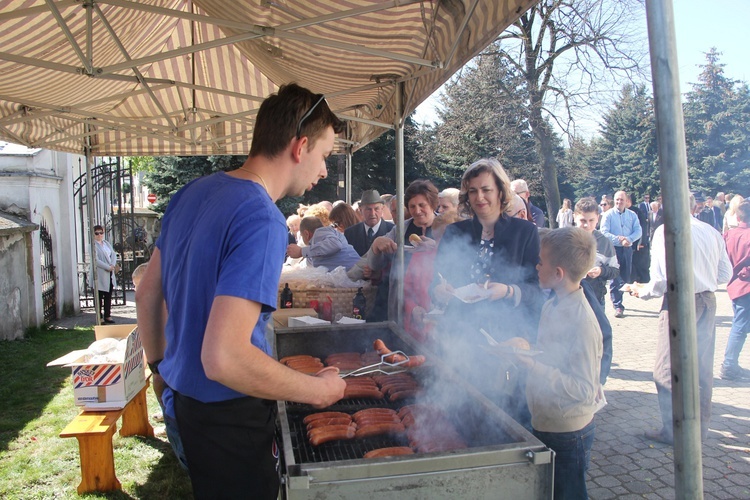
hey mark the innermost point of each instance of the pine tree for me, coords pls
(625, 156)
(717, 130)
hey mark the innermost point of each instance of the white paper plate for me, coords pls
(470, 294)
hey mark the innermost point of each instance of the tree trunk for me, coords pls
(544, 144)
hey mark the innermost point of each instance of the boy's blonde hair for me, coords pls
(572, 249)
(138, 273)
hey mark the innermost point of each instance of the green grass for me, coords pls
(36, 403)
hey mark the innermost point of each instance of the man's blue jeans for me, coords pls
(625, 260)
(738, 333)
(572, 456)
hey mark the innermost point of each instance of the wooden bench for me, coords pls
(95, 430)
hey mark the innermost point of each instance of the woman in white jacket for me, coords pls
(106, 260)
(565, 214)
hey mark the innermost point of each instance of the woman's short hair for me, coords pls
(319, 211)
(493, 167)
(423, 187)
(451, 194)
(343, 216)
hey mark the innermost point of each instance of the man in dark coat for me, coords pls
(361, 235)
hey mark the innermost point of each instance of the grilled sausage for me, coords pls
(378, 429)
(389, 452)
(381, 349)
(363, 422)
(324, 422)
(325, 414)
(373, 411)
(331, 433)
(296, 357)
(403, 394)
(362, 392)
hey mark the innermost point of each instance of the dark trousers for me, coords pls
(625, 260)
(105, 299)
(230, 447)
(572, 457)
(705, 314)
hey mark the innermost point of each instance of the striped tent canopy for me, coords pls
(186, 77)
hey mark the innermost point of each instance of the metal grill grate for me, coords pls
(349, 449)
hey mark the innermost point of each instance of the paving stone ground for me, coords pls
(624, 465)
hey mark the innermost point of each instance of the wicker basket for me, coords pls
(342, 297)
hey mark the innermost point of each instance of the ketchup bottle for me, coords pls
(359, 305)
(286, 297)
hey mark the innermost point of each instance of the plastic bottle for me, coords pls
(359, 305)
(286, 297)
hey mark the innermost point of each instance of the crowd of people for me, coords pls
(212, 283)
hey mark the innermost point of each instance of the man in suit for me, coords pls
(655, 218)
(645, 205)
(361, 235)
(520, 187)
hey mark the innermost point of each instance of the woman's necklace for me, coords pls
(256, 175)
(487, 235)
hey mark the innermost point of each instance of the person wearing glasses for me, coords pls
(216, 270)
(106, 262)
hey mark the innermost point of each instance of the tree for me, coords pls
(625, 156)
(482, 116)
(374, 165)
(717, 130)
(565, 50)
(170, 173)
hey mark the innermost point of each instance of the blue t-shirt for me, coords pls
(220, 236)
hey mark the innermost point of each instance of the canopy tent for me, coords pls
(181, 77)
(185, 77)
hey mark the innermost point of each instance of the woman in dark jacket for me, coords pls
(498, 251)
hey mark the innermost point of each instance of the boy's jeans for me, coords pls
(572, 455)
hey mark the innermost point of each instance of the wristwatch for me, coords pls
(154, 367)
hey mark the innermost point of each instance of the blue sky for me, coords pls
(699, 25)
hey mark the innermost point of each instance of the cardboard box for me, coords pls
(107, 386)
(281, 316)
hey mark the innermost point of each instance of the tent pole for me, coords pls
(90, 216)
(398, 122)
(348, 180)
(680, 298)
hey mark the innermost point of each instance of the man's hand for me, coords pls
(333, 387)
(367, 272)
(383, 245)
(443, 292)
(594, 272)
(294, 251)
(158, 384)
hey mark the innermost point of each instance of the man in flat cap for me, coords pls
(361, 235)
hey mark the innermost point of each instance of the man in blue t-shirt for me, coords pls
(216, 270)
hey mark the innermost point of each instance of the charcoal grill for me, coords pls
(502, 458)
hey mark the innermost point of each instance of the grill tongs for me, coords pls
(385, 367)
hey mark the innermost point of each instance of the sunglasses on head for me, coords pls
(307, 115)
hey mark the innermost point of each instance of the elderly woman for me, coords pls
(448, 200)
(500, 253)
(421, 199)
(106, 262)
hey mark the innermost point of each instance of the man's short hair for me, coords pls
(310, 223)
(279, 117)
(519, 186)
(586, 205)
(743, 211)
(572, 249)
(516, 205)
